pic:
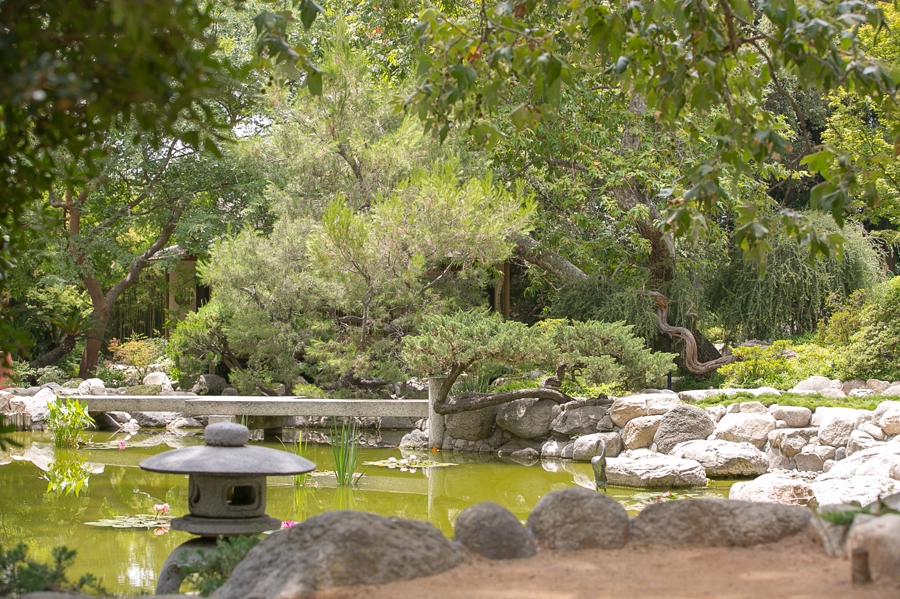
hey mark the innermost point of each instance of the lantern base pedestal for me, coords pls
(213, 527)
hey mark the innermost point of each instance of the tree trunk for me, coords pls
(56, 354)
(90, 357)
(528, 248)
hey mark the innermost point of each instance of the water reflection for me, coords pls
(127, 560)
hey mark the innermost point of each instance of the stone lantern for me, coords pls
(226, 489)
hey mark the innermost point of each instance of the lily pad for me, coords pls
(137, 521)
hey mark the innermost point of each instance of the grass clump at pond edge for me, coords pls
(792, 399)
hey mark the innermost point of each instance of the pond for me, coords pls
(127, 560)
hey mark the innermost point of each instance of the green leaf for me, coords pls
(314, 82)
(309, 10)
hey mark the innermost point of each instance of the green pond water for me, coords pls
(127, 560)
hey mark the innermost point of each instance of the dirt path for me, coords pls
(793, 569)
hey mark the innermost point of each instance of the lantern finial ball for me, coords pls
(226, 434)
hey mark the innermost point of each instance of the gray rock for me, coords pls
(860, 440)
(876, 385)
(627, 408)
(873, 430)
(717, 522)
(738, 428)
(157, 378)
(881, 537)
(5, 396)
(639, 431)
(527, 418)
(887, 418)
(778, 460)
(840, 453)
(852, 385)
(863, 489)
(882, 460)
(586, 447)
(226, 434)
(414, 439)
(493, 531)
(33, 405)
(791, 440)
(815, 383)
(655, 471)
(553, 447)
(753, 407)
(680, 424)
(581, 421)
(723, 458)
(156, 419)
(775, 487)
(808, 460)
(209, 384)
(340, 548)
(577, 518)
(835, 426)
(472, 425)
(860, 393)
(715, 412)
(92, 387)
(794, 416)
(893, 390)
(229, 391)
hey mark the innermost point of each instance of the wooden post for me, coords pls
(435, 420)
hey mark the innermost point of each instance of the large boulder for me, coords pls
(627, 408)
(862, 489)
(528, 418)
(33, 405)
(682, 423)
(882, 460)
(893, 390)
(881, 538)
(340, 548)
(92, 387)
(813, 383)
(723, 458)
(836, 425)
(887, 417)
(655, 471)
(775, 487)
(586, 447)
(750, 428)
(156, 419)
(793, 416)
(577, 518)
(717, 522)
(209, 384)
(493, 531)
(639, 431)
(582, 421)
(860, 440)
(472, 425)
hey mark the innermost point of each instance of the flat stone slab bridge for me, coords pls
(235, 405)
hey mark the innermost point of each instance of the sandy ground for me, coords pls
(796, 568)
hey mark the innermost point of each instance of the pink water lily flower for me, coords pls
(288, 523)
(161, 508)
(160, 531)
(121, 445)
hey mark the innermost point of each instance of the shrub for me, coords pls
(781, 365)
(19, 575)
(138, 352)
(865, 334)
(811, 401)
(601, 352)
(215, 566)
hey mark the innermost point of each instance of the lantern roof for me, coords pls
(226, 453)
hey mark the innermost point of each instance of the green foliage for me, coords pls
(110, 375)
(780, 365)
(866, 334)
(20, 575)
(344, 439)
(794, 291)
(215, 566)
(199, 341)
(602, 353)
(306, 390)
(67, 419)
(811, 401)
(67, 474)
